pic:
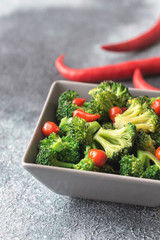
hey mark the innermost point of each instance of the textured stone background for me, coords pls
(31, 38)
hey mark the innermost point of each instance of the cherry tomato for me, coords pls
(157, 153)
(98, 156)
(113, 113)
(79, 101)
(49, 127)
(156, 106)
(123, 109)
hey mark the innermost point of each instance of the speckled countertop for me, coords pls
(30, 41)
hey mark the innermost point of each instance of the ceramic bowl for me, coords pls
(85, 184)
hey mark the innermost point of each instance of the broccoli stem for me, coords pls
(93, 127)
(57, 163)
(147, 157)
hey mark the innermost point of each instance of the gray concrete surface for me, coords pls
(30, 41)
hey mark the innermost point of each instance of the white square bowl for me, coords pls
(85, 184)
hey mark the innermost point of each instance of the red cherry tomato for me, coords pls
(113, 113)
(156, 106)
(123, 109)
(79, 101)
(49, 127)
(98, 156)
(157, 153)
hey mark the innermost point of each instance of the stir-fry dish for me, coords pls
(113, 133)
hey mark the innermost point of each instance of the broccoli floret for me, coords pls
(65, 107)
(107, 125)
(131, 166)
(156, 138)
(48, 157)
(64, 126)
(65, 149)
(70, 152)
(117, 141)
(53, 143)
(79, 129)
(107, 168)
(140, 114)
(118, 89)
(145, 165)
(45, 157)
(144, 142)
(101, 102)
(152, 172)
(152, 165)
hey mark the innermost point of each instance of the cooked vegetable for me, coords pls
(112, 133)
(89, 117)
(79, 101)
(152, 165)
(65, 107)
(144, 142)
(145, 165)
(115, 142)
(98, 156)
(118, 89)
(79, 129)
(49, 127)
(140, 114)
(113, 112)
(101, 102)
(65, 149)
(131, 166)
(157, 153)
(156, 106)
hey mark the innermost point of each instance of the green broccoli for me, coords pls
(70, 152)
(152, 165)
(49, 157)
(145, 165)
(107, 168)
(156, 138)
(101, 102)
(107, 125)
(140, 114)
(65, 107)
(152, 172)
(118, 89)
(53, 142)
(65, 149)
(131, 166)
(115, 142)
(144, 142)
(79, 129)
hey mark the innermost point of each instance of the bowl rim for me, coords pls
(75, 171)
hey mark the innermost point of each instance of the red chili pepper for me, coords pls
(139, 82)
(157, 153)
(98, 156)
(113, 112)
(50, 127)
(156, 106)
(144, 40)
(79, 101)
(119, 71)
(87, 116)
